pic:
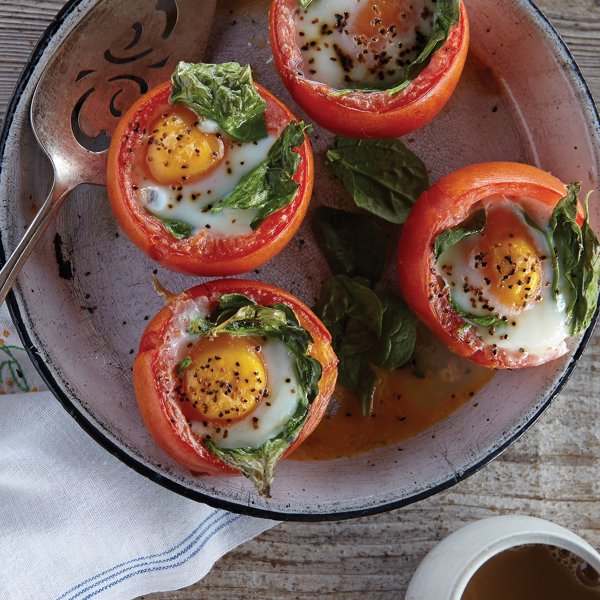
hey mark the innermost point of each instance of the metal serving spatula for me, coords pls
(118, 50)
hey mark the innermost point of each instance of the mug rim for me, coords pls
(460, 555)
(516, 540)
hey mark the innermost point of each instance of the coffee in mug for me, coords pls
(534, 572)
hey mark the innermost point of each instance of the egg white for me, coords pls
(321, 61)
(272, 413)
(193, 202)
(539, 328)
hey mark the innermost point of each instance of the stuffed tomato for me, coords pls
(232, 375)
(370, 69)
(499, 261)
(210, 174)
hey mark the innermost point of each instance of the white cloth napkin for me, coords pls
(77, 523)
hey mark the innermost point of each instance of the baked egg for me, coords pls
(362, 43)
(501, 280)
(189, 165)
(235, 390)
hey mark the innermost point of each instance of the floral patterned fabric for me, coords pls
(17, 373)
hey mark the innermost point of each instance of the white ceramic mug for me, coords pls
(445, 572)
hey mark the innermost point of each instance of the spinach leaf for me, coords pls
(256, 320)
(550, 240)
(178, 229)
(289, 313)
(474, 223)
(352, 312)
(198, 326)
(567, 240)
(258, 464)
(369, 329)
(352, 244)
(366, 386)
(481, 320)
(447, 13)
(579, 252)
(270, 186)
(589, 269)
(183, 364)
(223, 93)
(305, 3)
(309, 372)
(237, 314)
(229, 304)
(399, 333)
(382, 176)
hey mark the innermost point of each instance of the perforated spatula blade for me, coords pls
(116, 52)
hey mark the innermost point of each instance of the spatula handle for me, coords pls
(15, 262)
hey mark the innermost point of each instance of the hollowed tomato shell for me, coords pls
(369, 115)
(159, 409)
(202, 254)
(445, 205)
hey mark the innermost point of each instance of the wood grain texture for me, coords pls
(553, 472)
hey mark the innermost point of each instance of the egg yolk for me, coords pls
(226, 380)
(377, 24)
(507, 256)
(178, 151)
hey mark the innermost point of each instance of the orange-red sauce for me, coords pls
(405, 405)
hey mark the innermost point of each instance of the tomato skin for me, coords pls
(202, 254)
(443, 206)
(160, 412)
(369, 115)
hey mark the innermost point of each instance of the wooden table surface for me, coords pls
(552, 472)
